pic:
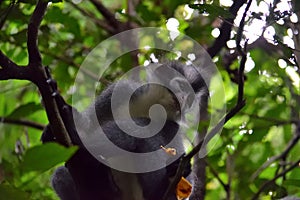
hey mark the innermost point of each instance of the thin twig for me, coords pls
(239, 105)
(225, 29)
(99, 22)
(271, 119)
(291, 144)
(186, 159)
(215, 173)
(109, 16)
(283, 173)
(22, 122)
(78, 66)
(241, 29)
(5, 14)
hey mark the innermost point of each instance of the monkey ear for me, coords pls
(183, 189)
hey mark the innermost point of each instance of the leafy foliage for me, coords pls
(69, 31)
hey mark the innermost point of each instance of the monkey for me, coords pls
(90, 179)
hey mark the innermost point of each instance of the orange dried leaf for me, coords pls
(184, 189)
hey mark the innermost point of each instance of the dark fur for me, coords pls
(85, 178)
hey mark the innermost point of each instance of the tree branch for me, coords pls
(241, 29)
(9, 69)
(271, 119)
(22, 122)
(186, 159)
(32, 34)
(5, 62)
(38, 75)
(110, 17)
(283, 173)
(99, 22)
(225, 29)
(5, 14)
(239, 105)
(35, 73)
(116, 25)
(291, 144)
(215, 173)
(71, 62)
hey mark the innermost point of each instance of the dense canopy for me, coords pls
(257, 154)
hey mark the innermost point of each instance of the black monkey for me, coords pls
(86, 178)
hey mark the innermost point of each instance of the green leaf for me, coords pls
(46, 156)
(8, 192)
(146, 13)
(293, 182)
(268, 173)
(25, 110)
(70, 24)
(212, 10)
(20, 37)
